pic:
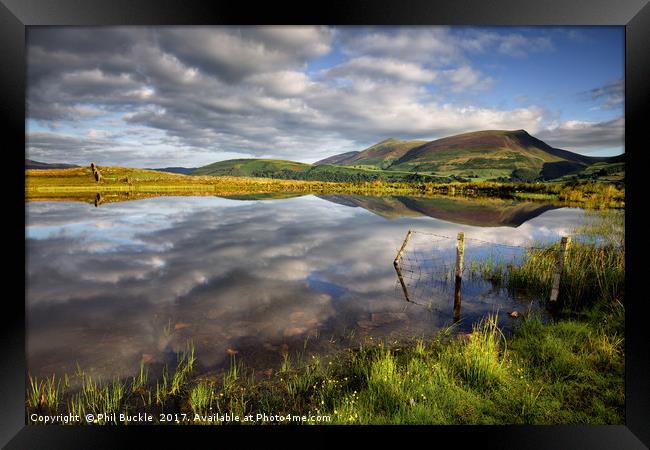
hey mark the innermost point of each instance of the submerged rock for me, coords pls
(387, 317)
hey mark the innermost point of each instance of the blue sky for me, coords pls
(188, 96)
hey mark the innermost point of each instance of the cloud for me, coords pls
(383, 69)
(612, 94)
(466, 78)
(231, 54)
(202, 94)
(584, 136)
(44, 142)
(519, 46)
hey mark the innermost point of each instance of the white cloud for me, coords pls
(383, 68)
(201, 94)
(582, 135)
(284, 83)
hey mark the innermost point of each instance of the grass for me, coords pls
(484, 379)
(123, 183)
(183, 369)
(570, 371)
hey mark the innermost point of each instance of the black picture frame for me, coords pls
(16, 15)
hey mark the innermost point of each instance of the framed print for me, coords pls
(371, 218)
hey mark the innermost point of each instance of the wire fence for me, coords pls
(427, 265)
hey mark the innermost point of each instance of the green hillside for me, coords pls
(252, 167)
(289, 170)
(379, 156)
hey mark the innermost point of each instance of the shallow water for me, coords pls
(133, 281)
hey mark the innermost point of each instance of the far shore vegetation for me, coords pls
(566, 371)
(119, 183)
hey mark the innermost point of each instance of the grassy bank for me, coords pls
(567, 372)
(70, 183)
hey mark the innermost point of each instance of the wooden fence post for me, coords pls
(396, 265)
(559, 266)
(460, 260)
(96, 174)
(460, 254)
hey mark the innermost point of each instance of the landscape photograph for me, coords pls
(325, 225)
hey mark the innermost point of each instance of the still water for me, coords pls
(134, 281)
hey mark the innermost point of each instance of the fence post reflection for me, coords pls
(396, 265)
(460, 257)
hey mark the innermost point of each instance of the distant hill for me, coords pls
(290, 170)
(181, 170)
(251, 167)
(31, 164)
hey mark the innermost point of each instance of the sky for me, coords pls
(189, 96)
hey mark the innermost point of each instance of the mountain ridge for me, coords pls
(32, 164)
(485, 154)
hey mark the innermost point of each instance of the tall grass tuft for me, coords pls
(202, 397)
(184, 367)
(162, 388)
(480, 362)
(44, 393)
(139, 382)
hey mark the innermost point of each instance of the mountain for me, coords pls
(378, 156)
(496, 155)
(337, 159)
(489, 154)
(31, 164)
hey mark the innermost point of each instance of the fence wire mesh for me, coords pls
(426, 267)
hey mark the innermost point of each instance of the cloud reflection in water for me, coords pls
(108, 285)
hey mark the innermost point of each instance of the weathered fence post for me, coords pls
(396, 265)
(559, 266)
(460, 260)
(96, 174)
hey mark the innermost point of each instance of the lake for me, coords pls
(125, 282)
